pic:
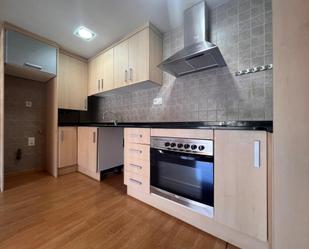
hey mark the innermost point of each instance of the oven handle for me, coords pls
(190, 156)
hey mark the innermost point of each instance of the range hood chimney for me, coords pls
(198, 54)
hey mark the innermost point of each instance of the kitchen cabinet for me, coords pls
(96, 76)
(131, 61)
(136, 59)
(72, 83)
(121, 63)
(29, 58)
(87, 151)
(67, 146)
(108, 70)
(137, 159)
(101, 73)
(241, 181)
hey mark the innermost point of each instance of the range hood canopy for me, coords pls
(198, 54)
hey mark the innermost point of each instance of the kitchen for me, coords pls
(185, 112)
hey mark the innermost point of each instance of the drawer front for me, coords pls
(137, 182)
(137, 135)
(137, 153)
(138, 167)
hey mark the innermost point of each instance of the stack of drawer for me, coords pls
(137, 158)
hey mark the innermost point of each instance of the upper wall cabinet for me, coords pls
(72, 83)
(135, 61)
(29, 58)
(101, 73)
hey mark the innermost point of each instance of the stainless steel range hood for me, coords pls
(198, 54)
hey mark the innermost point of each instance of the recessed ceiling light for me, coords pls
(85, 33)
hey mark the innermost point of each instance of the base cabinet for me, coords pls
(87, 151)
(67, 146)
(137, 159)
(241, 181)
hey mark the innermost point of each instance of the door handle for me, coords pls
(28, 64)
(99, 85)
(257, 154)
(62, 136)
(131, 74)
(135, 150)
(135, 181)
(126, 75)
(94, 137)
(102, 83)
(136, 166)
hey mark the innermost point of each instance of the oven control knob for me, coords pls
(186, 146)
(179, 146)
(193, 147)
(173, 144)
(201, 147)
(167, 144)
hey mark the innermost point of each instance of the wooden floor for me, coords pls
(74, 211)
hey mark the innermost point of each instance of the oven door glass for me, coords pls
(187, 175)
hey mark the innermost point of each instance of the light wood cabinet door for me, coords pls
(121, 62)
(93, 82)
(241, 181)
(87, 151)
(67, 146)
(72, 83)
(108, 70)
(139, 57)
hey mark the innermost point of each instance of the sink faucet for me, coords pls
(115, 120)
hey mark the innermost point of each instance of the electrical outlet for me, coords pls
(28, 103)
(31, 141)
(157, 101)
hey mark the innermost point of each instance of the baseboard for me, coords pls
(67, 170)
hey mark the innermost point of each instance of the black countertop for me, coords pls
(226, 125)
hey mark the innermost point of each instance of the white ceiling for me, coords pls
(110, 19)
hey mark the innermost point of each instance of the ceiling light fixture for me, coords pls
(85, 33)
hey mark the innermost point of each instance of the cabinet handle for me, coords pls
(98, 84)
(62, 136)
(102, 82)
(257, 154)
(131, 74)
(135, 181)
(126, 75)
(135, 150)
(94, 137)
(136, 135)
(38, 67)
(86, 104)
(136, 166)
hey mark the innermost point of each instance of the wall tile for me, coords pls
(243, 31)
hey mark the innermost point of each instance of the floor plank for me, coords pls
(74, 211)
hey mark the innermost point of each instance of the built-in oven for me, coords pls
(182, 170)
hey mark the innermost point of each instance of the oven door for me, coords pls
(190, 176)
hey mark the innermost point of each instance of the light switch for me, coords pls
(31, 141)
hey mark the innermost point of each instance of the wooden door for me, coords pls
(121, 61)
(108, 70)
(72, 83)
(67, 146)
(93, 80)
(87, 151)
(139, 57)
(240, 185)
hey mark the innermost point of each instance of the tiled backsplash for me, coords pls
(22, 122)
(243, 31)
